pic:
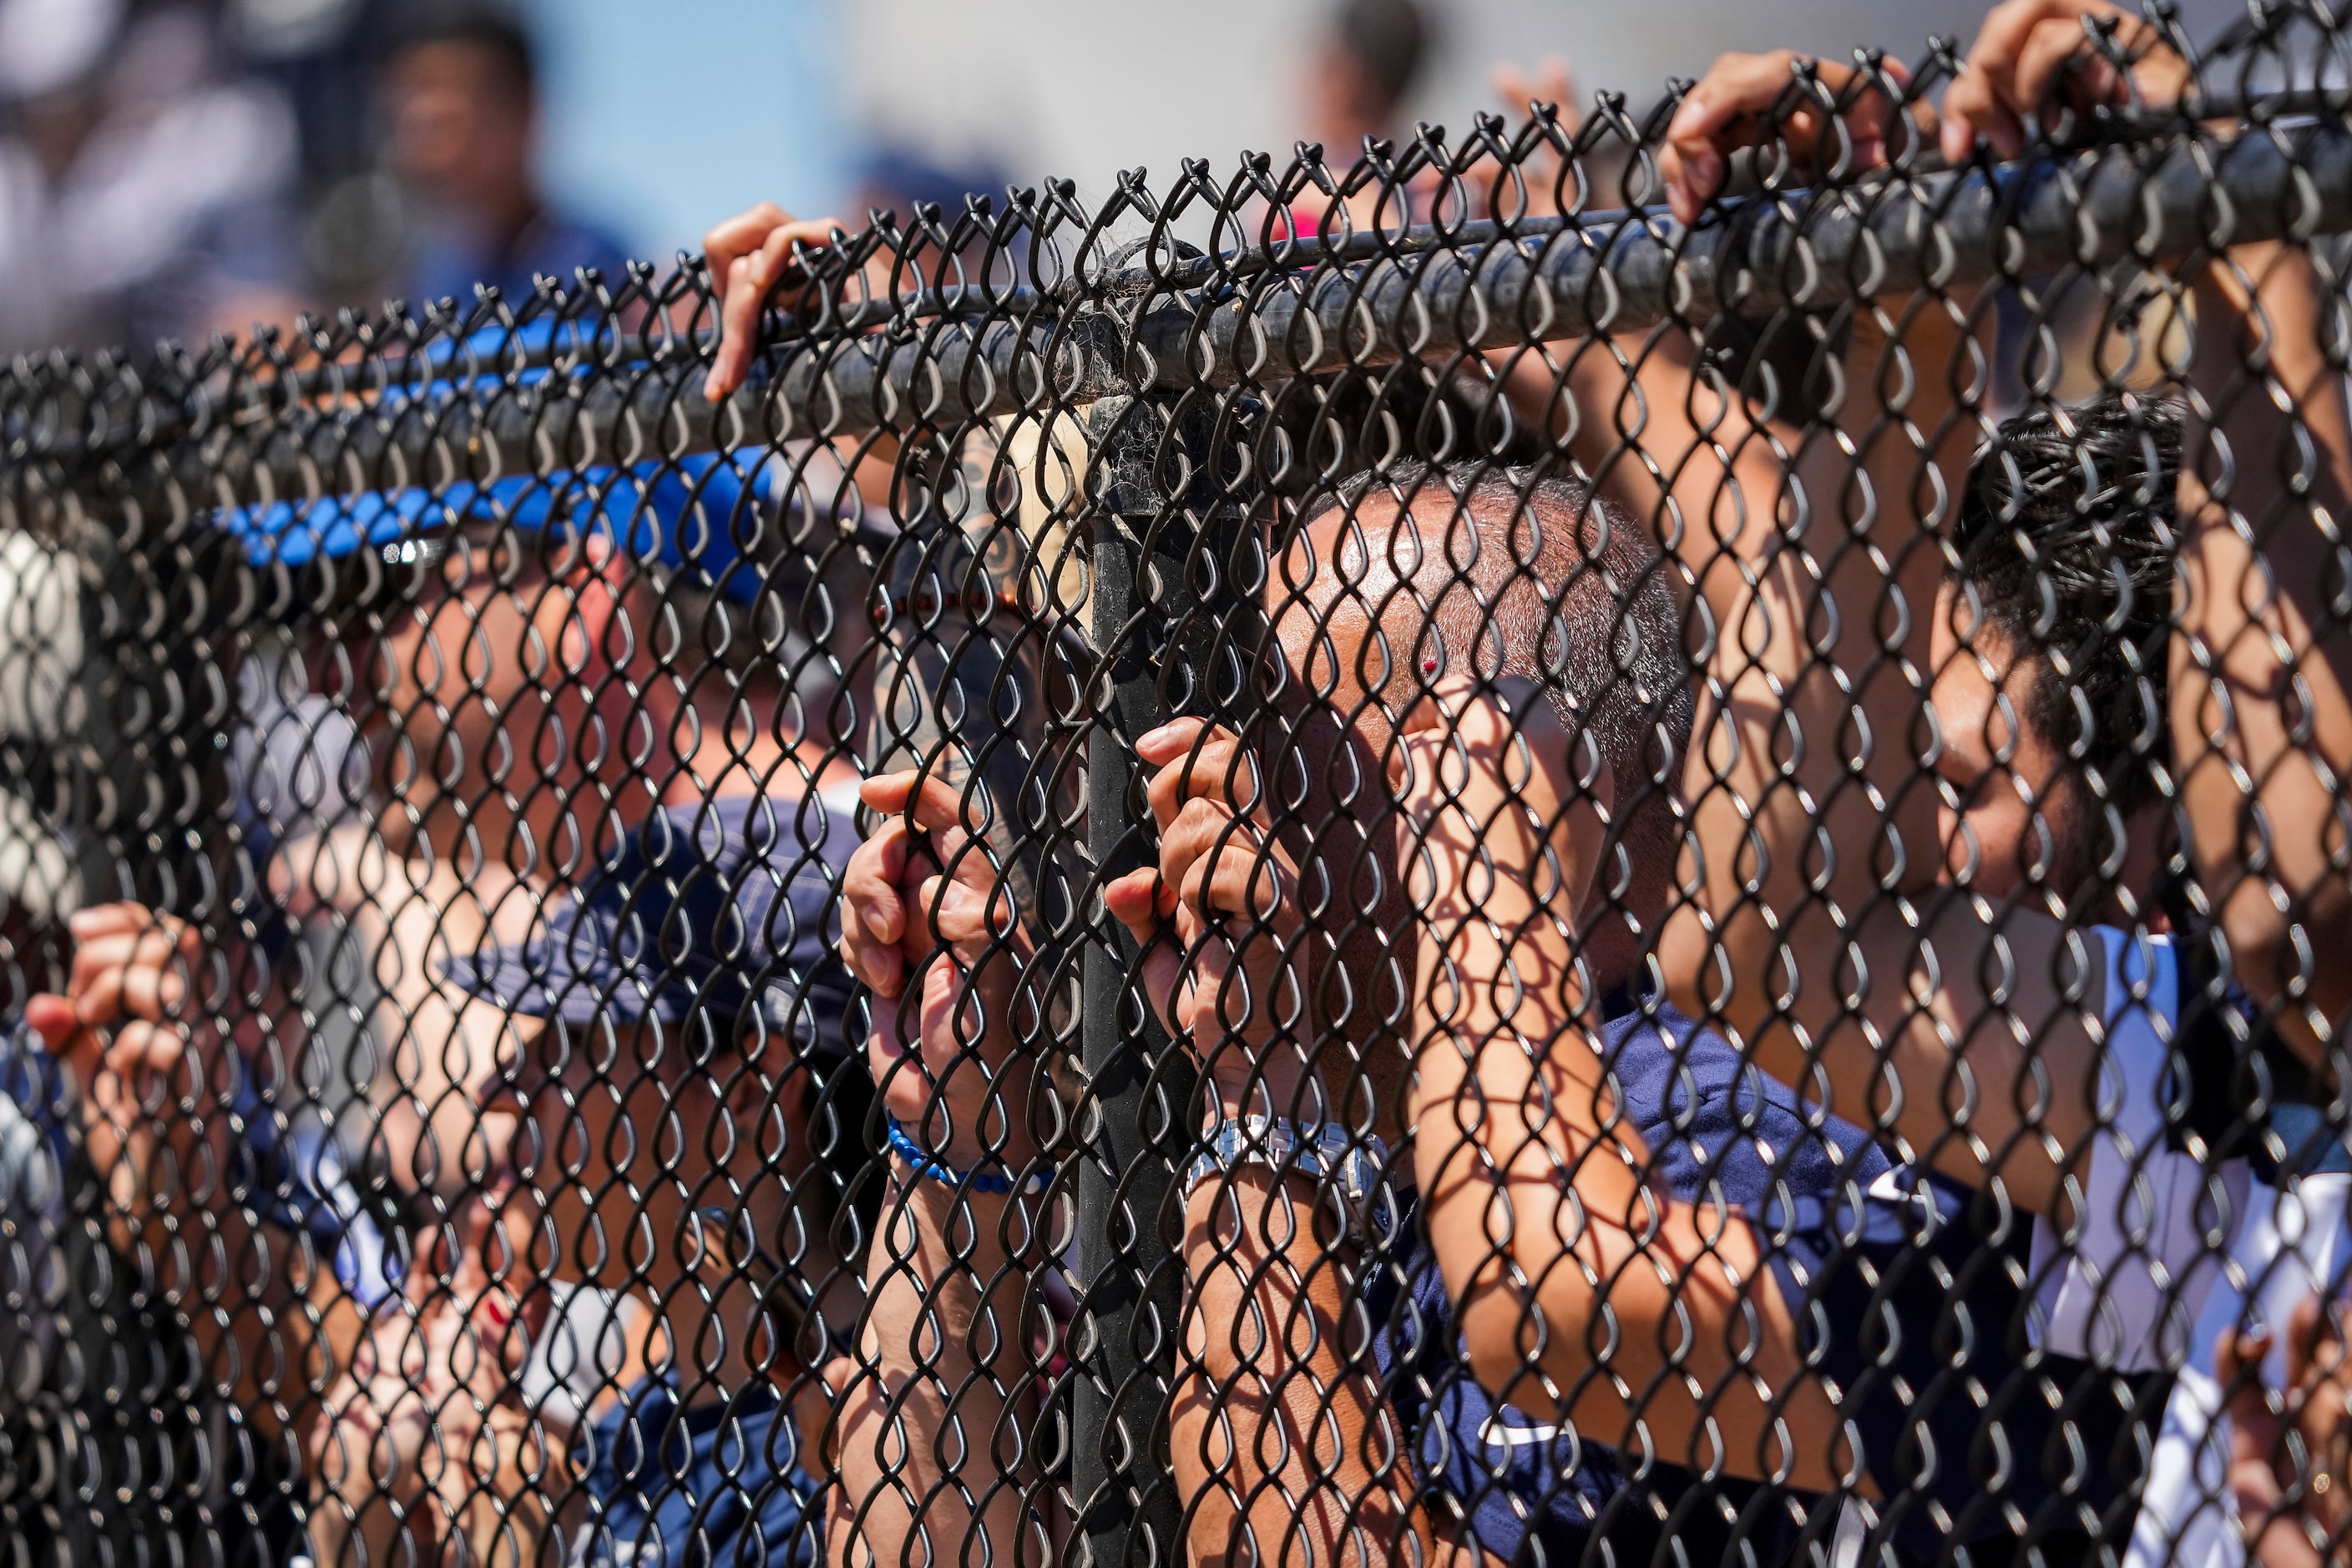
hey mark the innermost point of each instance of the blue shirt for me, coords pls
(35, 1152)
(717, 1485)
(287, 1170)
(450, 264)
(1914, 1308)
(1911, 1299)
(1532, 1490)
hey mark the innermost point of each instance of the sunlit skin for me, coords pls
(1995, 770)
(2000, 778)
(1322, 754)
(516, 660)
(464, 710)
(2006, 803)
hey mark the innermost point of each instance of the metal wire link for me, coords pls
(1618, 839)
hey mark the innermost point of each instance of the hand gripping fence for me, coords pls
(1343, 863)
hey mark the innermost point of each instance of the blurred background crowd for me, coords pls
(177, 167)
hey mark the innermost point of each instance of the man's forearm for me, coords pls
(932, 1461)
(1269, 1371)
(2261, 667)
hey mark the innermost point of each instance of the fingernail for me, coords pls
(1687, 119)
(1164, 739)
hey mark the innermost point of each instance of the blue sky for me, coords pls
(663, 118)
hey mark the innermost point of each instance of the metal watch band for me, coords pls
(1351, 1165)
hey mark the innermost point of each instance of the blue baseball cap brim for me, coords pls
(690, 514)
(706, 907)
(686, 514)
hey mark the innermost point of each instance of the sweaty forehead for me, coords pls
(1371, 553)
(1345, 570)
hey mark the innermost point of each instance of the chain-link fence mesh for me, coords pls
(1344, 862)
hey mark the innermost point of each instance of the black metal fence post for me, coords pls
(1128, 1512)
(1172, 635)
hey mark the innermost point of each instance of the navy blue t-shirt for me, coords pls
(1916, 1310)
(1532, 1490)
(450, 264)
(1910, 1298)
(717, 1485)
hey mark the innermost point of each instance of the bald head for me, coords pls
(1496, 572)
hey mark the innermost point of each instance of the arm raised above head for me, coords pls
(1585, 1280)
(2262, 664)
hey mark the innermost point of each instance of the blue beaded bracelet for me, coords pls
(906, 1149)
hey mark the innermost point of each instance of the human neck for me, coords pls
(2128, 901)
(1612, 953)
(710, 1332)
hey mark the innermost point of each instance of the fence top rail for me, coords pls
(564, 382)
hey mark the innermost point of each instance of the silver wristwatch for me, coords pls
(1351, 1166)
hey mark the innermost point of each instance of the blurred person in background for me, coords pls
(144, 191)
(1370, 56)
(894, 178)
(461, 101)
(1357, 79)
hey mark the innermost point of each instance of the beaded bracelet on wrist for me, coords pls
(923, 1165)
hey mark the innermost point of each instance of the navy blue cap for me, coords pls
(712, 907)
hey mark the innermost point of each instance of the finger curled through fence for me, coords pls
(1617, 839)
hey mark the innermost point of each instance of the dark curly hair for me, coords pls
(2065, 554)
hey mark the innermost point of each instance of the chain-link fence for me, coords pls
(1344, 862)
